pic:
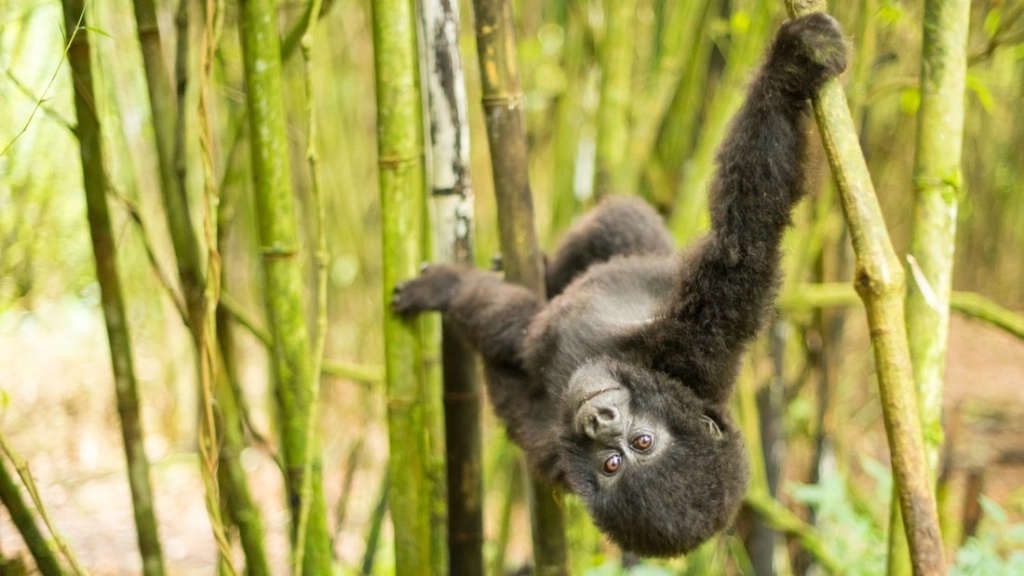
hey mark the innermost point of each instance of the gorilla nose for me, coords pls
(604, 422)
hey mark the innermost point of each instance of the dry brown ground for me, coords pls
(72, 442)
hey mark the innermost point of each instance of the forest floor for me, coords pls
(72, 443)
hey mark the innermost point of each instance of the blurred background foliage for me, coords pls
(690, 62)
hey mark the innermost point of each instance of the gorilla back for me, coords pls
(617, 387)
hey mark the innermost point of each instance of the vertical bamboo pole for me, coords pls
(400, 164)
(168, 123)
(937, 187)
(878, 279)
(611, 167)
(126, 388)
(749, 36)
(275, 213)
(321, 258)
(165, 121)
(521, 255)
(452, 193)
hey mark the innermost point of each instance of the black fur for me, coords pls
(617, 387)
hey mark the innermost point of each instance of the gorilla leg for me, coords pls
(618, 226)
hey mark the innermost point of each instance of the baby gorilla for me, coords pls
(617, 387)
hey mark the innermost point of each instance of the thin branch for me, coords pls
(46, 90)
(53, 114)
(21, 466)
(247, 320)
(968, 304)
(135, 215)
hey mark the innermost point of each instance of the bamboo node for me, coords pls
(394, 161)
(510, 100)
(278, 251)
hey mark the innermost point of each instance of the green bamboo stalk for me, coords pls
(612, 164)
(678, 127)
(241, 508)
(275, 212)
(376, 524)
(400, 164)
(521, 255)
(243, 511)
(748, 42)
(879, 281)
(169, 127)
(125, 385)
(938, 185)
(568, 118)
(452, 195)
(322, 258)
(165, 122)
(25, 522)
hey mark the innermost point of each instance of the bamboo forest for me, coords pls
(220, 221)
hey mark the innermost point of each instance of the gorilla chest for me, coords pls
(596, 316)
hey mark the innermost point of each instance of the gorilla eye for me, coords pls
(643, 442)
(612, 464)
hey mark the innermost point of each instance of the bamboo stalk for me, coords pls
(243, 511)
(879, 281)
(25, 522)
(241, 508)
(452, 194)
(937, 187)
(169, 127)
(165, 126)
(612, 167)
(322, 258)
(689, 213)
(521, 255)
(125, 385)
(672, 130)
(401, 175)
(275, 213)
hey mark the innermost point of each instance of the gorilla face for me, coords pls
(599, 414)
(659, 469)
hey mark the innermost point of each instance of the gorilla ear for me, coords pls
(717, 421)
(713, 427)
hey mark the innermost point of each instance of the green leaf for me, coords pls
(95, 30)
(993, 510)
(980, 88)
(992, 19)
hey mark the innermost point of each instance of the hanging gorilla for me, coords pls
(617, 387)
